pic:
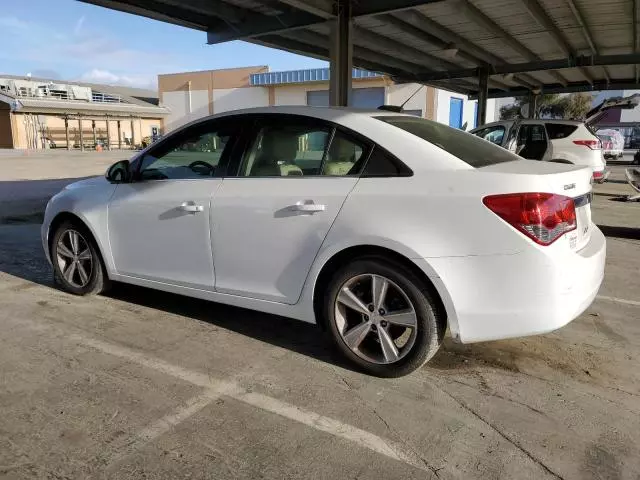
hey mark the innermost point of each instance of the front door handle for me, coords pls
(308, 206)
(191, 207)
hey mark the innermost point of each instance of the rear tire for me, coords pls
(386, 334)
(77, 263)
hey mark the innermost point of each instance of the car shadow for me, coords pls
(631, 233)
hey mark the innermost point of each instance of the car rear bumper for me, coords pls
(601, 176)
(528, 293)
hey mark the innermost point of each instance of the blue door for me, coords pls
(455, 112)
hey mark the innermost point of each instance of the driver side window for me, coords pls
(193, 154)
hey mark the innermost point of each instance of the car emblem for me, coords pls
(570, 186)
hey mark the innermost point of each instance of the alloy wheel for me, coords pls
(375, 318)
(74, 258)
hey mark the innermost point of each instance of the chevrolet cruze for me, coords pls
(383, 228)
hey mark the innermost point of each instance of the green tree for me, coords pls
(569, 107)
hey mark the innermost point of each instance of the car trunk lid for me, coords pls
(561, 179)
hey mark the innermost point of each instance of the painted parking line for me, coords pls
(215, 388)
(619, 300)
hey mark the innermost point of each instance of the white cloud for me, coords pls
(78, 27)
(13, 23)
(128, 80)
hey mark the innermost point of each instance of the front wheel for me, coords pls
(382, 318)
(77, 265)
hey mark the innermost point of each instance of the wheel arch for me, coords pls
(63, 216)
(374, 251)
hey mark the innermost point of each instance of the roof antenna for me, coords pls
(396, 108)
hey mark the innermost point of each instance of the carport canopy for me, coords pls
(480, 48)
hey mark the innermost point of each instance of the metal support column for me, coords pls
(533, 105)
(133, 136)
(483, 94)
(119, 136)
(341, 51)
(93, 130)
(81, 133)
(66, 132)
(108, 145)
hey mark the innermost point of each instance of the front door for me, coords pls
(159, 225)
(270, 220)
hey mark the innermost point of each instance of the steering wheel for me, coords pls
(202, 168)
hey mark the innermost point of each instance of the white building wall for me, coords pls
(235, 98)
(468, 109)
(398, 94)
(185, 106)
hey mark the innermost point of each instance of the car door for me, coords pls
(270, 219)
(533, 142)
(159, 224)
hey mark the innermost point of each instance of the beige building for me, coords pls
(41, 113)
(192, 95)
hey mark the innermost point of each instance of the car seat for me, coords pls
(341, 157)
(278, 152)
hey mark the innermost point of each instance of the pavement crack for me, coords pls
(506, 437)
(490, 392)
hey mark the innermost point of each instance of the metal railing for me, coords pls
(96, 97)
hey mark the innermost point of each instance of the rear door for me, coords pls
(533, 142)
(272, 213)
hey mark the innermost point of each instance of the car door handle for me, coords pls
(191, 207)
(308, 206)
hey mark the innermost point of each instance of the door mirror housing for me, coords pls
(119, 172)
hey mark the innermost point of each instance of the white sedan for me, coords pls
(383, 228)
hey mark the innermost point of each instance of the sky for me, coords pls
(71, 40)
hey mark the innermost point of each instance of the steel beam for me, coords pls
(365, 37)
(587, 33)
(341, 56)
(540, 16)
(434, 29)
(255, 24)
(483, 92)
(636, 42)
(475, 15)
(574, 87)
(581, 61)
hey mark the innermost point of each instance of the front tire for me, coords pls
(77, 264)
(382, 317)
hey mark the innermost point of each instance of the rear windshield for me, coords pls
(465, 146)
(560, 130)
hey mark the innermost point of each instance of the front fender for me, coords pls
(89, 203)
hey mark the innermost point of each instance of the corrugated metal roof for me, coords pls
(536, 42)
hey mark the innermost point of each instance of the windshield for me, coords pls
(465, 146)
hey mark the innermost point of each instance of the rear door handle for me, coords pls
(308, 206)
(191, 207)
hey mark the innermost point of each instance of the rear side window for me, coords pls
(382, 164)
(465, 146)
(559, 130)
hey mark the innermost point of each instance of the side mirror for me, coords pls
(119, 172)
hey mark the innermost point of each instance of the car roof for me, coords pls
(326, 113)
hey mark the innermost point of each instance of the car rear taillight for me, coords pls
(592, 144)
(598, 175)
(543, 217)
